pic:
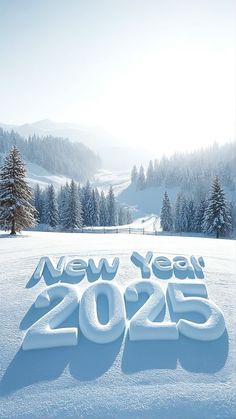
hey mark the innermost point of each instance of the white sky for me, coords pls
(160, 73)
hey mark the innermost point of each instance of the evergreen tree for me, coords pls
(60, 203)
(63, 199)
(111, 208)
(39, 203)
(199, 215)
(16, 210)
(73, 213)
(103, 213)
(129, 218)
(157, 178)
(150, 177)
(95, 219)
(87, 204)
(217, 217)
(166, 214)
(184, 215)
(178, 209)
(233, 213)
(122, 216)
(191, 215)
(51, 207)
(79, 191)
(134, 175)
(141, 180)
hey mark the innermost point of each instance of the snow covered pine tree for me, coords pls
(51, 207)
(166, 214)
(73, 216)
(16, 210)
(111, 208)
(217, 215)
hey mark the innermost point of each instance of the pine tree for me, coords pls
(39, 203)
(157, 178)
(95, 219)
(73, 214)
(217, 215)
(129, 218)
(178, 209)
(141, 180)
(122, 218)
(233, 213)
(51, 207)
(103, 213)
(63, 199)
(16, 209)
(134, 175)
(87, 204)
(191, 215)
(150, 177)
(199, 215)
(184, 214)
(166, 214)
(111, 208)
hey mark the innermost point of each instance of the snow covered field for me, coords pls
(181, 378)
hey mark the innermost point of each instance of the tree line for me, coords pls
(190, 172)
(75, 206)
(211, 215)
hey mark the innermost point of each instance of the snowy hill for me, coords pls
(119, 180)
(182, 379)
(147, 201)
(38, 175)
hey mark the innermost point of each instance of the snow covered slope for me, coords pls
(118, 179)
(115, 155)
(38, 175)
(181, 379)
(147, 201)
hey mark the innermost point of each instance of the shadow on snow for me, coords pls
(87, 361)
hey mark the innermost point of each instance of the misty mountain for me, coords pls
(113, 155)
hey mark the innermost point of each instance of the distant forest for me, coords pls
(191, 172)
(55, 154)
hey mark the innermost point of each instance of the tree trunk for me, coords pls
(217, 234)
(13, 226)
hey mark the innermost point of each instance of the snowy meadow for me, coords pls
(111, 367)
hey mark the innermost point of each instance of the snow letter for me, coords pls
(76, 268)
(104, 268)
(90, 325)
(162, 267)
(55, 271)
(196, 265)
(182, 268)
(142, 263)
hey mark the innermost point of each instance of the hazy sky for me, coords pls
(158, 73)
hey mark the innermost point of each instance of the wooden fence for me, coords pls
(117, 230)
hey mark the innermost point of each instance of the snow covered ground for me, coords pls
(119, 180)
(38, 175)
(181, 378)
